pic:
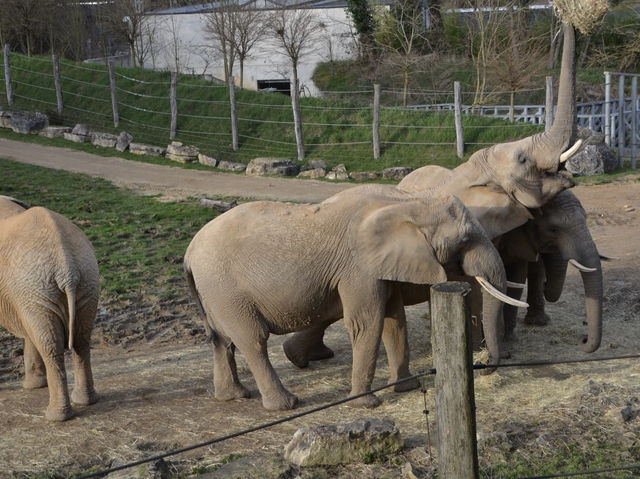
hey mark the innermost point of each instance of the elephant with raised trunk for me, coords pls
(49, 289)
(270, 268)
(540, 251)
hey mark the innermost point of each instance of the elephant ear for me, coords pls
(394, 248)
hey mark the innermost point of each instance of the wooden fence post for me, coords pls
(376, 121)
(634, 120)
(57, 82)
(621, 123)
(297, 119)
(234, 114)
(607, 108)
(548, 103)
(452, 359)
(173, 101)
(114, 95)
(457, 98)
(7, 74)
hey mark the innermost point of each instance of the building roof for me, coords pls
(260, 5)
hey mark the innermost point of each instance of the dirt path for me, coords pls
(170, 182)
(157, 394)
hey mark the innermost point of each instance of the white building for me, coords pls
(180, 41)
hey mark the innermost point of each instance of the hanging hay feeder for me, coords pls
(585, 15)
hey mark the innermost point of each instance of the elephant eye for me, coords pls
(522, 159)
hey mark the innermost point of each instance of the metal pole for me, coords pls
(376, 121)
(57, 83)
(173, 101)
(607, 108)
(621, 122)
(634, 120)
(234, 115)
(7, 74)
(457, 98)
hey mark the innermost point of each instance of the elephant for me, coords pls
(49, 291)
(11, 206)
(540, 251)
(499, 185)
(270, 268)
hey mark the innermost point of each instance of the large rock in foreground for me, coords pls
(28, 122)
(272, 166)
(363, 440)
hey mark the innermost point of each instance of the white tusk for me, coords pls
(501, 296)
(570, 152)
(511, 284)
(581, 267)
(608, 258)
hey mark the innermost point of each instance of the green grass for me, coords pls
(139, 242)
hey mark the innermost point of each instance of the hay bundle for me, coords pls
(585, 15)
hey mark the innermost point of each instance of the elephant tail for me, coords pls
(70, 292)
(197, 298)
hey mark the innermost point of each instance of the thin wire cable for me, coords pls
(67, 92)
(531, 364)
(34, 99)
(75, 80)
(252, 429)
(142, 81)
(34, 86)
(48, 75)
(141, 95)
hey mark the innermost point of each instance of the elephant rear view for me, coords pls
(49, 290)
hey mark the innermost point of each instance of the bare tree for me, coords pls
(125, 20)
(27, 22)
(250, 29)
(221, 29)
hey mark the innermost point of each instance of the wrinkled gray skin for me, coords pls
(498, 185)
(48, 296)
(540, 251)
(269, 268)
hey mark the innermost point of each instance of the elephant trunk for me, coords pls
(555, 267)
(593, 304)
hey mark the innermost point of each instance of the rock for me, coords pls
(364, 175)
(207, 160)
(79, 134)
(176, 151)
(106, 140)
(124, 140)
(27, 121)
(338, 173)
(70, 136)
(252, 468)
(590, 137)
(357, 441)
(55, 131)
(5, 119)
(81, 129)
(594, 159)
(231, 166)
(272, 166)
(315, 164)
(396, 172)
(151, 470)
(142, 149)
(218, 205)
(315, 173)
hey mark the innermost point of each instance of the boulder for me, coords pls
(396, 172)
(272, 166)
(181, 153)
(315, 164)
(124, 140)
(55, 131)
(106, 140)
(364, 175)
(594, 159)
(231, 166)
(5, 119)
(218, 205)
(142, 149)
(315, 173)
(338, 173)
(79, 134)
(358, 441)
(28, 121)
(207, 160)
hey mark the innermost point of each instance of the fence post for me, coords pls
(114, 96)
(452, 359)
(234, 115)
(376, 121)
(457, 98)
(57, 83)
(607, 108)
(548, 103)
(7, 74)
(621, 123)
(634, 120)
(297, 119)
(173, 101)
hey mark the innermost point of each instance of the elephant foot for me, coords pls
(84, 397)
(369, 401)
(228, 393)
(34, 381)
(319, 352)
(408, 385)
(536, 318)
(281, 402)
(300, 355)
(58, 414)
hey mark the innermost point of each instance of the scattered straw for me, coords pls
(585, 15)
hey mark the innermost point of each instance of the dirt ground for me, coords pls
(153, 372)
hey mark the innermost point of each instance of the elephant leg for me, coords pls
(396, 342)
(226, 384)
(307, 345)
(35, 374)
(516, 272)
(48, 338)
(535, 296)
(83, 392)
